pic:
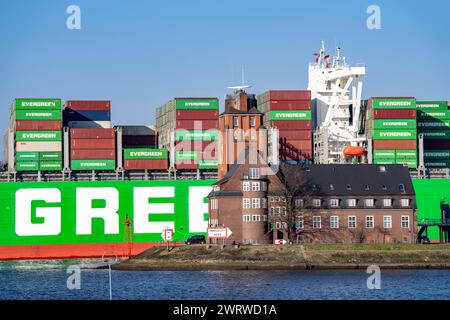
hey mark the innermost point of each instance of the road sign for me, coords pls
(279, 242)
(167, 235)
(219, 233)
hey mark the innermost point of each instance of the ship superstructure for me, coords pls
(336, 91)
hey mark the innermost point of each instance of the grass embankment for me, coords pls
(292, 257)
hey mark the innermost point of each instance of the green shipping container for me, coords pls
(432, 105)
(197, 104)
(38, 104)
(186, 155)
(434, 125)
(436, 135)
(410, 163)
(208, 164)
(384, 161)
(394, 135)
(437, 154)
(384, 154)
(92, 164)
(27, 166)
(411, 154)
(290, 115)
(432, 115)
(50, 166)
(38, 135)
(437, 164)
(145, 154)
(204, 135)
(50, 156)
(394, 103)
(393, 124)
(45, 115)
(27, 156)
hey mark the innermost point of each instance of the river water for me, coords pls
(48, 280)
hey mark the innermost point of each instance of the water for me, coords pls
(48, 280)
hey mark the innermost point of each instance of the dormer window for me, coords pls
(349, 187)
(401, 188)
(331, 187)
(254, 173)
(384, 187)
(216, 188)
(367, 187)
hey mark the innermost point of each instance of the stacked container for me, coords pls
(290, 113)
(87, 114)
(38, 134)
(433, 120)
(92, 149)
(145, 159)
(139, 137)
(195, 124)
(393, 128)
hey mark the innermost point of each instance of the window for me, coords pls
(216, 188)
(351, 222)
(255, 186)
(264, 186)
(317, 222)
(369, 222)
(264, 217)
(283, 211)
(331, 187)
(235, 121)
(256, 203)
(334, 203)
(401, 188)
(299, 223)
(351, 203)
(246, 203)
(272, 211)
(246, 186)
(349, 187)
(214, 204)
(384, 187)
(214, 222)
(369, 203)
(334, 222)
(246, 218)
(387, 222)
(404, 202)
(366, 187)
(264, 203)
(317, 203)
(252, 122)
(387, 202)
(283, 199)
(298, 203)
(256, 218)
(280, 225)
(271, 199)
(254, 173)
(405, 222)
(277, 211)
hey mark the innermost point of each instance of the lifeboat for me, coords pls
(354, 151)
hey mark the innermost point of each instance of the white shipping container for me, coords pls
(90, 124)
(38, 146)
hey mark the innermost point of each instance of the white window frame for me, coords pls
(317, 203)
(246, 204)
(387, 222)
(369, 202)
(405, 203)
(256, 218)
(256, 203)
(298, 203)
(214, 204)
(256, 186)
(277, 211)
(351, 203)
(264, 218)
(246, 218)
(370, 222)
(283, 211)
(272, 211)
(351, 222)
(300, 221)
(246, 186)
(254, 173)
(317, 222)
(263, 186)
(334, 222)
(386, 201)
(403, 219)
(334, 203)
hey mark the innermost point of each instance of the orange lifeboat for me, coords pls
(354, 151)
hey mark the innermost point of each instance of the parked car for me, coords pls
(197, 239)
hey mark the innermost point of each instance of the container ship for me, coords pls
(74, 185)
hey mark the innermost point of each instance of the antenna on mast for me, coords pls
(242, 86)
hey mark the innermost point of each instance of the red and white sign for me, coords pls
(219, 233)
(167, 235)
(279, 242)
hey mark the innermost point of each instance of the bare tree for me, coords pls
(359, 234)
(383, 231)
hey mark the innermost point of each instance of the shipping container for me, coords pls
(73, 115)
(38, 136)
(406, 154)
(37, 104)
(30, 125)
(139, 140)
(437, 154)
(437, 144)
(92, 154)
(197, 124)
(291, 125)
(196, 103)
(384, 154)
(394, 144)
(290, 115)
(89, 124)
(205, 135)
(384, 161)
(394, 114)
(27, 166)
(45, 115)
(287, 95)
(50, 166)
(393, 124)
(437, 164)
(208, 164)
(197, 114)
(88, 105)
(146, 164)
(195, 145)
(27, 156)
(393, 103)
(186, 166)
(433, 125)
(394, 135)
(287, 105)
(92, 164)
(50, 156)
(186, 155)
(93, 144)
(432, 105)
(38, 146)
(436, 134)
(138, 130)
(433, 115)
(91, 133)
(145, 154)
(295, 134)
(301, 144)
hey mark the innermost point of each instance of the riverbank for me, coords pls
(292, 257)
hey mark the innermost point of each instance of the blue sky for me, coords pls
(139, 54)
